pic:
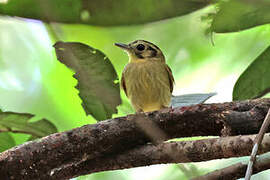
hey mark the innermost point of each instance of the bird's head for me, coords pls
(141, 50)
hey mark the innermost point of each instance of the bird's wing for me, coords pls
(123, 84)
(170, 75)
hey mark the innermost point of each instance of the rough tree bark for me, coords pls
(42, 157)
(172, 152)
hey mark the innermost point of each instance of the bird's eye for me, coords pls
(140, 47)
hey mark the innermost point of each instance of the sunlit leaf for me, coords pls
(19, 123)
(236, 15)
(190, 99)
(97, 78)
(6, 141)
(255, 81)
(104, 13)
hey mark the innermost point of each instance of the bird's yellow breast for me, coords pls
(147, 85)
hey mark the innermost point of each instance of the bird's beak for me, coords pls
(122, 46)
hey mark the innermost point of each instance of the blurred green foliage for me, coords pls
(237, 15)
(101, 12)
(33, 81)
(21, 123)
(56, 10)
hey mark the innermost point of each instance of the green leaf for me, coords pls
(97, 78)
(49, 10)
(190, 99)
(19, 123)
(254, 82)
(102, 13)
(236, 15)
(6, 141)
(42, 127)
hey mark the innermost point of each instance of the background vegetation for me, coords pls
(219, 48)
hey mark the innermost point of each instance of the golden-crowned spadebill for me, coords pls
(147, 80)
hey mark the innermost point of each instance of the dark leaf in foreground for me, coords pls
(237, 15)
(101, 12)
(254, 82)
(96, 78)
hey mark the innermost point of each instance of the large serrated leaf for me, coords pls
(101, 12)
(19, 122)
(97, 78)
(6, 141)
(236, 15)
(190, 99)
(254, 82)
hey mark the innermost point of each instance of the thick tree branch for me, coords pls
(173, 152)
(32, 159)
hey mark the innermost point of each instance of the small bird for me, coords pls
(147, 80)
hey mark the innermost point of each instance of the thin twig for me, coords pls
(257, 143)
(189, 172)
(54, 30)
